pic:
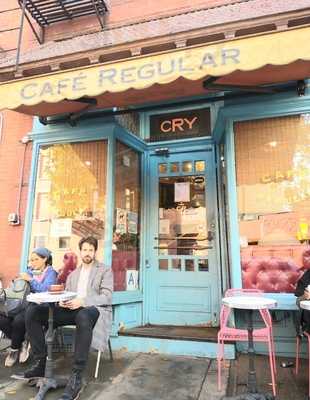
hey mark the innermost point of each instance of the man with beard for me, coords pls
(90, 311)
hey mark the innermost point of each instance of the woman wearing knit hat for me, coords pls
(40, 275)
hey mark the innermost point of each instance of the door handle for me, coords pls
(147, 264)
(210, 236)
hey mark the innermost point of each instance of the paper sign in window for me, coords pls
(181, 191)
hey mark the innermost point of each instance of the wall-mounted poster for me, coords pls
(61, 227)
(132, 222)
(121, 220)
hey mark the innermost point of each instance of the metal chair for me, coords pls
(99, 358)
(227, 333)
(60, 330)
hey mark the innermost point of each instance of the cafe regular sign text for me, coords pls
(123, 75)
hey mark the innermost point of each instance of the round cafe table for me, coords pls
(49, 381)
(249, 304)
(305, 304)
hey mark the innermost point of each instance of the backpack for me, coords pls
(13, 300)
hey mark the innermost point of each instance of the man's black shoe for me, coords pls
(74, 387)
(37, 370)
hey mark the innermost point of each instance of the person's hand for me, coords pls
(306, 295)
(25, 276)
(71, 304)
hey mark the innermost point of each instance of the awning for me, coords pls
(221, 59)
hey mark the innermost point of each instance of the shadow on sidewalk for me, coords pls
(131, 376)
(289, 386)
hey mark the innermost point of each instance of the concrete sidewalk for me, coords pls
(131, 376)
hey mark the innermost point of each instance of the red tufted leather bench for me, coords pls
(270, 274)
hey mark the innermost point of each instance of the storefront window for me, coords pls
(126, 229)
(273, 185)
(69, 197)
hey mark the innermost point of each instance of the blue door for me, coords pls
(182, 268)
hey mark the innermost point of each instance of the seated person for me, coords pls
(40, 275)
(69, 264)
(90, 311)
(302, 293)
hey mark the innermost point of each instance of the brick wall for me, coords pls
(14, 127)
(9, 29)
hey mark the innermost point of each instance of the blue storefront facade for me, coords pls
(190, 165)
(175, 272)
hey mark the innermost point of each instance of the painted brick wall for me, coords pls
(14, 127)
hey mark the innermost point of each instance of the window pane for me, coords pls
(70, 197)
(126, 229)
(187, 166)
(163, 264)
(174, 167)
(199, 166)
(189, 265)
(273, 183)
(182, 224)
(162, 168)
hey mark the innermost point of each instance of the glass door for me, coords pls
(182, 267)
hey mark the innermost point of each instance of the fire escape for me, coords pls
(48, 12)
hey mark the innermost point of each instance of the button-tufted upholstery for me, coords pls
(274, 273)
(270, 274)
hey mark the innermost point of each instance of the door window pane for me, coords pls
(162, 168)
(182, 216)
(187, 166)
(189, 265)
(174, 167)
(163, 264)
(176, 264)
(126, 229)
(199, 166)
(273, 184)
(69, 197)
(203, 265)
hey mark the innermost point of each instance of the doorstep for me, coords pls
(176, 340)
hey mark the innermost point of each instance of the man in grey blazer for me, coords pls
(90, 311)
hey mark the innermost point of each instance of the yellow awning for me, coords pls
(247, 54)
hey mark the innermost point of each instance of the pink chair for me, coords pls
(298, 342)
(227, 333)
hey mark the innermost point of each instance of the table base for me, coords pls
(45, 384)
(250, 396)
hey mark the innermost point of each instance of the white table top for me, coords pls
(249, 302)
(47, 297)
(305, 304)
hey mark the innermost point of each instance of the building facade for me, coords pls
(178, 134)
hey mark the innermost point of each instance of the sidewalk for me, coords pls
(131, 376)
(289, 386)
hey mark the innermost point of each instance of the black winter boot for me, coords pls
(37, 370)
(74, 387)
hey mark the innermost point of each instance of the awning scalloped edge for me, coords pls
(246, 54)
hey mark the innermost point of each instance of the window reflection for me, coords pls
(69, 197)
(126, 230)
(273, 183)
(182, 216)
